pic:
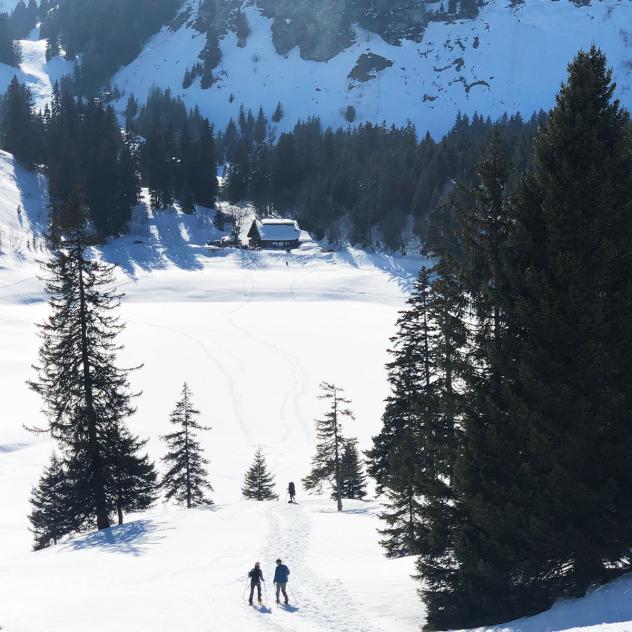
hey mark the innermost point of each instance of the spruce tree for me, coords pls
(327, 462)
(258, 482)
(86, 395)
(353, 477)
(549, 402)
(242, 28)
(567, 260)
(186, 478)
(131, 477)
(279, 113)
(50, 517)
(20, 128)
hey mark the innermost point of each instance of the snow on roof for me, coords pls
(278, 229)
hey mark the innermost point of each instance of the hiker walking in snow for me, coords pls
(256, 577)
(291, 490)
(281, 575)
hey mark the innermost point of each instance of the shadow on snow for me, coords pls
(131, 539)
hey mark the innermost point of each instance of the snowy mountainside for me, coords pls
(253, 333)
(507, 59)
(35, 71)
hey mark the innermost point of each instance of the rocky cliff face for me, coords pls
(323, 29)
(320, 29)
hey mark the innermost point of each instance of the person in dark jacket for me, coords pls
(291, 490)
(256, 577)
(281, 575)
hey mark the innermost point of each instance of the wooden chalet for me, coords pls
(274, 233)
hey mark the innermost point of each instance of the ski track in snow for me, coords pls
(220, 367)
(297, 387)
(323, 604)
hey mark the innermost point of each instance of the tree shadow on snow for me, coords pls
(400, 269)
(131, 539)
(164, 238)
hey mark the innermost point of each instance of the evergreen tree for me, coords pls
(550, 407)
(20, 128)
(186, 479)
(10, 50)
(327, 462)
(86, 396)
(131, 477)
(258, 482)
(203, 181)
(279, 113)
(158, 159)
(242, 29)
(50, 518)
(483, 232)
(353, 476)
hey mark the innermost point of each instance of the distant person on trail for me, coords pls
(291, 490)
(256, 577)
(281, 575)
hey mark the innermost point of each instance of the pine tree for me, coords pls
(483, 232)
(258, 482)
(20, 130)
(186, 479)
(242, 29)
(353, 476)
(279, 113)
(327, 462)
(85, 394)
(131, 477)
(50, 518)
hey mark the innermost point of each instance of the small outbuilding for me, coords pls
(274, 233)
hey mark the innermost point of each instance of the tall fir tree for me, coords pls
(327, 462)
(20, 129)
(86, 395)
(258, 482)
(551, 399)
(186, 478)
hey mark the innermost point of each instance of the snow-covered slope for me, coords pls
(507, 59)
(253, 334)
(253, 337)
(35, 71)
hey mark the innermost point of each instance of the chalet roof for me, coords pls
(278, 229)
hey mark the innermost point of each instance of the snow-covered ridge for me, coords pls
(508, 59)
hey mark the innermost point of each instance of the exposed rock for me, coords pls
(321, 30)
(367, 65)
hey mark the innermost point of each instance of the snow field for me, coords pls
(253, 337)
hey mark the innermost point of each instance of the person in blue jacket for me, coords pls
(281, 575)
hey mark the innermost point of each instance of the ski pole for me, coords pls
(265, 591)
(245, 588)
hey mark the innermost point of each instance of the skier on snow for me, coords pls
(291, 490)
(281, 575)
(256, 577)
